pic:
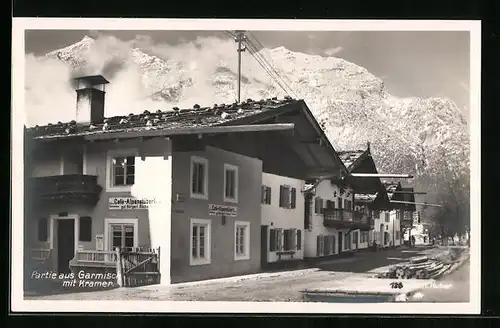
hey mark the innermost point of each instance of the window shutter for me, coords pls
(299, 240)
(321, 205)
(280, 240)
(317, 246)
(263, 194)
(282, 188)
(322, 245)
(333, 244)
(43, 229)
(294, 239)
(294, 197)
(268, 194)
(316, 211)
(339, 201)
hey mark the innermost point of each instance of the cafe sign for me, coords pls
(222, 210)
(131, 203)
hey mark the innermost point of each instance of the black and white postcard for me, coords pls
(255, 166)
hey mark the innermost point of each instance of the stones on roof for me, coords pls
(163, 119)
(348, 157)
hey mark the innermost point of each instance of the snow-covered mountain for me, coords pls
(426, 137)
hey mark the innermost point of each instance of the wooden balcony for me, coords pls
(345, 219)
(66, 188)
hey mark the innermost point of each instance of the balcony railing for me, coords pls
(40, 254)
(68, 187)
(109, 257)
(342, 218)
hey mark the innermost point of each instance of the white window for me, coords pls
(347, 241)
(121, 233)
(266, 195)
(290, 239)
(241, 240)
(200, 242)
(230, 183)
(120, 169)
(288, 197)
(199, 178)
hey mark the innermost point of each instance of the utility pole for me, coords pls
(240, 37)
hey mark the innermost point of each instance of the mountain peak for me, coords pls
(87, 38)
(280, 49)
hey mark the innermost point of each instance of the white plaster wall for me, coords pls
(325, 190)
(46, 168)
(282, 218)
(154, 180)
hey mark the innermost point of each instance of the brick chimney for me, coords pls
(90, 93)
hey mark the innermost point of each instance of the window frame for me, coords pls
(266, 195)
(246, 240)
(230, 167)
(208, 231)
(204, 161)
(112, 154)
(123, 221)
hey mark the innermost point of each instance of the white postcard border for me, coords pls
(18, 119)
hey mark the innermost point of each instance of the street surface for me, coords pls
(276, 286)
(451, 288)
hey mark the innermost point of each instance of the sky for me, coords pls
(412, 64)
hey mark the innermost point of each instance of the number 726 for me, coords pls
(396, 285)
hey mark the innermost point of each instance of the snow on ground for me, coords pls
(275, 286)
(363, 285)
(265, 288)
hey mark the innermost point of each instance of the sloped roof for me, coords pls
(196, 117)
(349, 157)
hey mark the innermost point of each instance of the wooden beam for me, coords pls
(324, 174)
(378, 175)
(197, 131)
(412, 203)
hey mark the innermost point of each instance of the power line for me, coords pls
(259, 60)
(262, 47)
(269, 66)
(263, 62)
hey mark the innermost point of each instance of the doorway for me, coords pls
(65, 244)
(340, 242)
(263, 245)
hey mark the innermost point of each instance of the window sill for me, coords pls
(231, 200)
(199, 196)
(199, 262)
(241, 257)
(119, 189)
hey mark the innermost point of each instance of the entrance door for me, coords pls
(65, 244)
(263, 245)
(356, 236)
(340, 242)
